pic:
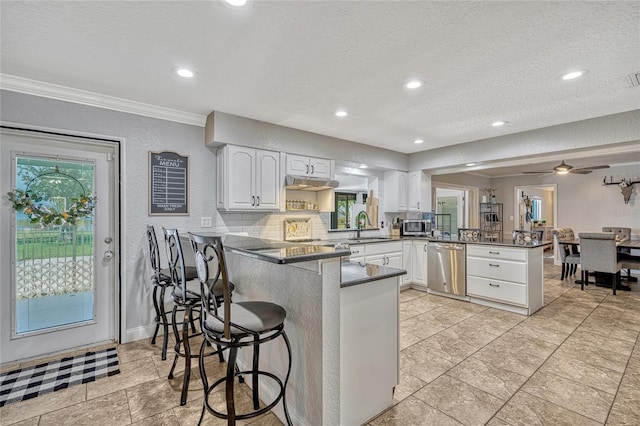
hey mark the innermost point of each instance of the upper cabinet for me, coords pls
(248, 179)
(395, 191)
(419, 195)
(299, 165)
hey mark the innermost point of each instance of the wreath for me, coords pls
(25, 202)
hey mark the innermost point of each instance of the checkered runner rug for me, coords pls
(29, 382)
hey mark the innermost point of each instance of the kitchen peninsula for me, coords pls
(342, 320)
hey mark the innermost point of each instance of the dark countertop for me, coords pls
(354, 273)
(280, 251)
(506, 241)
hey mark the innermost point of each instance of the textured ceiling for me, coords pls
(294, 63)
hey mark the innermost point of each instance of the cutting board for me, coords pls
(372, 210)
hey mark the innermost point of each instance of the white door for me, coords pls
(320, 167)
(242, 178)
(58, 280)
(297, 165)
(268, 178)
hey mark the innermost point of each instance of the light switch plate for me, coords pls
(510, 217)
(205, 222)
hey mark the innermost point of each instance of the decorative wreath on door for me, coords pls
(28, 202)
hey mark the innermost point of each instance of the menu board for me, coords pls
(168, 183)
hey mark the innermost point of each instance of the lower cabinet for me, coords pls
(419, 257)
(369, 349)
(505, 277)
(387, 254)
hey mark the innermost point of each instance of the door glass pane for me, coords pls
(54, 274)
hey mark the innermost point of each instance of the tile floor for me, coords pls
(575, 362)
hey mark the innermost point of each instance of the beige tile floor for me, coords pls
(575, 362)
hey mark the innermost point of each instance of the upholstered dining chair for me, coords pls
(598, 254)
(570, 260)
(622, 234)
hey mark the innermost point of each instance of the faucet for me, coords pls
(365, 219)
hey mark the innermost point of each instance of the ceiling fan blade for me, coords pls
(537, 173)
(593, 167)
(580, 171)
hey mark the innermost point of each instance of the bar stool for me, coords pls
(234, 326)
(160, 280)
(186, 295)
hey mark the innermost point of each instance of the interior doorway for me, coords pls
(459, 202)
(536, 208)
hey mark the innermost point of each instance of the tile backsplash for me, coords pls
(272, 225)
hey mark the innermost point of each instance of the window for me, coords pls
(341, 218)
(536, 208)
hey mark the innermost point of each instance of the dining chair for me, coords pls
(622, 234)
(599, 254)
(569, 259)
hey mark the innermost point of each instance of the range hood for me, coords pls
(305, 183)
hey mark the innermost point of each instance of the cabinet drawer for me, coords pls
(383, 248)
(496, 252)
(515, 294)
(505, 270)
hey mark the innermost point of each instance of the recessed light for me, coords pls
(183, 72)
(499, 123)
(341, 113)
(414, 84)
(236, 3)
(471, 164)
(418, 141)
(363, 166)
(573, 74)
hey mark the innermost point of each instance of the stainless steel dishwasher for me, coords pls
(447, 268)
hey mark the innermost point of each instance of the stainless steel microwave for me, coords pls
(416, 227)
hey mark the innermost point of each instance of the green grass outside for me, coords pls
(53, 244)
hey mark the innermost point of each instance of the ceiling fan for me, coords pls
(564, 168)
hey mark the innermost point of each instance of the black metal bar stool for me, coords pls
(232, 326)
(185, 295)
(160, 280)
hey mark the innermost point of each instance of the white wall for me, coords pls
(584, 204)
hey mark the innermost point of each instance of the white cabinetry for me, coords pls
(299, 165)
(505, 277)
(419, 192)
(387, 254)
(248, 179)
(395, 191)
(419, 259)
(407, 264)
(369, 348)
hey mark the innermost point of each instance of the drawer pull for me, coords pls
(494, 252)
(496, 266)
(494, 285)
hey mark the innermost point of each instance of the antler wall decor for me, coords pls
(626, 186)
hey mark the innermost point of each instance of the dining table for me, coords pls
(574, 243)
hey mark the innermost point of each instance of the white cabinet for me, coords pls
(505, 277)
(369, 349)
(248, 179)
(395, 191)
(407, 263)
(419, 191)
(299, 165)
(419, 257)
(388, 254)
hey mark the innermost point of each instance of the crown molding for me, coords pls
(38, 88)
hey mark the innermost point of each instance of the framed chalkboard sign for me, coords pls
(168, 183)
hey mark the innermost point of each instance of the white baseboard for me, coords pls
(139, 333)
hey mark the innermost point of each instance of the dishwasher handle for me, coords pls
(456, 247)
